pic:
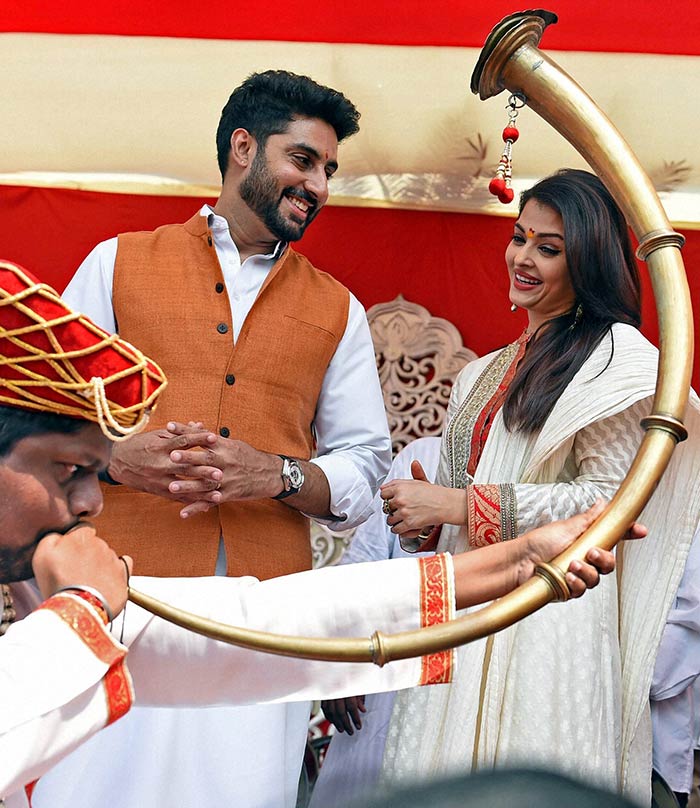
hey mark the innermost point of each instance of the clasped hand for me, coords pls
(190, 464)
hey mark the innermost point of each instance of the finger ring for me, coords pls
(218, 485)
(388, 510)
(424, 535)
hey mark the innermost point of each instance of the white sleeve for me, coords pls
(678, 659)
(171, 666)
(373, 540)
(602, 454)
(52, 693)
(353, 442)
(90, 289)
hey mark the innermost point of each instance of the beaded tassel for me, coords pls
(500, 185)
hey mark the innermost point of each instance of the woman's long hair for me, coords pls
(605, 279)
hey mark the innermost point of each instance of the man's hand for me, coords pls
(212, 469)
(546, 542)
(344, 713)
(144, 461)
(80, 558)
(220, 469)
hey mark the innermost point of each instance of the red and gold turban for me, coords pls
(56, 360)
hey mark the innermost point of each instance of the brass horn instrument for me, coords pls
(511, 60)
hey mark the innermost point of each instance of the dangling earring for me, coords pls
(500, 184)
(577, 317)
(513, 307)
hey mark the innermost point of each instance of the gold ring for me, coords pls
(424, 534)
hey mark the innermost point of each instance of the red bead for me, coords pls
(511, 133)
(497, 186)
(506, 196)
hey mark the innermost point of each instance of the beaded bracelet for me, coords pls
(93, 597)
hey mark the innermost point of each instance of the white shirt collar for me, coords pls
(217, 223)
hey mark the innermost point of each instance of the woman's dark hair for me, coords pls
(16, 424)
(605, 278)
(266, 103)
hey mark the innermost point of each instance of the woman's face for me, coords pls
(536, 262)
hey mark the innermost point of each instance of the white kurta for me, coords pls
(674, 706)
(51, 676)
(562, 689)
(353, 449)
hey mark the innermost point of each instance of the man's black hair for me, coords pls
(16, 424)
(267, 102)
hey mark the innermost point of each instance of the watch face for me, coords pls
(296, 475)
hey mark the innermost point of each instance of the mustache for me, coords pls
(60, 530)
(16, 562)
(301, 194)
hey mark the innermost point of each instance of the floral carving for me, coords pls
(418, 357)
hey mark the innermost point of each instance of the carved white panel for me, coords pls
(418, 357)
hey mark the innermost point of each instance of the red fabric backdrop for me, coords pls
(452, 263)
(644, 26)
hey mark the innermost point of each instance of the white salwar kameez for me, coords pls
(562, 689)
(52, 694)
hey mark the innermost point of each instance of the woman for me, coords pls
(535, 432)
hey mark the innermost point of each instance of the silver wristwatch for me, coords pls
(292, 477)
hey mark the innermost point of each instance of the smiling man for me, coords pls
(273, 360)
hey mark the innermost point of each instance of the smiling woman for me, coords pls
(537, 431)
(536, 261)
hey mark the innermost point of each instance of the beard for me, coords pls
(260, 191)
(16, 562)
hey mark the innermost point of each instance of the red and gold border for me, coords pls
(484, 515)
(436, 607)
(86, 623)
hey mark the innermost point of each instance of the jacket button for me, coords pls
(219, 288)
(224, 432)
(230, 378)
(222, 328)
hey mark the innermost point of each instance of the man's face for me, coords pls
(287, 182)
(48, 483)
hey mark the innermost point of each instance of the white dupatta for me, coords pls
(563, 688)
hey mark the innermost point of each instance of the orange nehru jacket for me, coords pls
(170, 300)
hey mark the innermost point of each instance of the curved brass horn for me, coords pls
(511, 60)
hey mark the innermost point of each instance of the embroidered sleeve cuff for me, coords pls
(491, 514)
(437, 606)
(87, 623)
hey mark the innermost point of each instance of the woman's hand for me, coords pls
(417, 504)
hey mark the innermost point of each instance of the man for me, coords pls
(66, 390)
(273, 361)
(674, 688)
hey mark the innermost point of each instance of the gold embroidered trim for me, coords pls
(509, 512)
(436, 596)
(460, 430)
